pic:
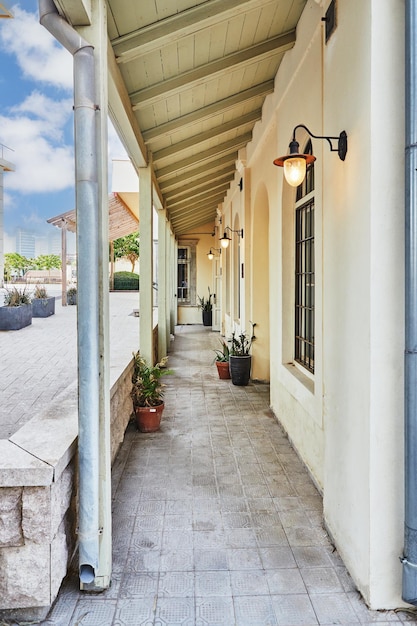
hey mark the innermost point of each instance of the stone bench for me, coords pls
(38, 496)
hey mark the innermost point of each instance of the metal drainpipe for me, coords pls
(409, 560)
(87, 284)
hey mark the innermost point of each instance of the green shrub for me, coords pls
(126, 281)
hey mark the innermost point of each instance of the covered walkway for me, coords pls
(215, 519)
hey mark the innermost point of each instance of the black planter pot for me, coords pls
(43, 307)
(15, 317)
(207, 318)
(240, 367)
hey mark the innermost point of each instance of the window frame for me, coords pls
(190, 245)
(304, 271)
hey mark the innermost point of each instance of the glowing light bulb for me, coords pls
(295, 170)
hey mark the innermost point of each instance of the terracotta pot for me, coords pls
(148, 418)
(223, 369)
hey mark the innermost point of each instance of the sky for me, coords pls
(36, 123)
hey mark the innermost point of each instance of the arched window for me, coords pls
(304, 270)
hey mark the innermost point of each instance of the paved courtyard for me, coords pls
(40, 361)
(216, 521)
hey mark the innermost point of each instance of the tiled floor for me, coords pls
(216, 521)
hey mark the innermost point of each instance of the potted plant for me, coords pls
(42, 304)
(240, 360)
(72, 295)
(147, 392)
(222, 360)
(206, 307)
(17, 310)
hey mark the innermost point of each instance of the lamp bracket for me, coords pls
(239, 232)
(341, 148)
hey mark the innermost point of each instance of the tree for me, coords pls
(47, 262)
(127, 248)
(15, 263)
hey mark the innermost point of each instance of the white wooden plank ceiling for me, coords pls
(190, 78)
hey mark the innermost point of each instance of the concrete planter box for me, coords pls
(15, 317)
(43, 307)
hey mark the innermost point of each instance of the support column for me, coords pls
(174, 307)
(64, 263)
(168, 300)
(163, 284)
(146, 263)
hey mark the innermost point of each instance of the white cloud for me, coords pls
(34, 130)
(37, 53)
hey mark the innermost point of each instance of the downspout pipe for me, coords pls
(87, 208)
(409, 560)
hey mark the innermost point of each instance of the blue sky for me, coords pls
(36, 122)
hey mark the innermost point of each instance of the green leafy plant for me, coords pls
(16, 297)
(72, 295)
(147, 388)
(126, 281)
(223, 354)
(241, 343)
(205, 304)
(40, 292)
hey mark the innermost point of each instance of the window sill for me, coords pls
(302, 378)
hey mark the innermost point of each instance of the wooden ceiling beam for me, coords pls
(227, 147)
(205, 182)
(190, 142)
(221, 106)
(222, 165)
(199, 75)
(195, 207)
(165, 31)
(179, 204)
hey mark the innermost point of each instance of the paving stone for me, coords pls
(254, 609)
(215, 519)
(214, 611)
(212, 584)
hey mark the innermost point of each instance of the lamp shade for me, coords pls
(294, 164)
(225, 240)
(210, 255)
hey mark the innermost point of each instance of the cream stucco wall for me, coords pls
(346, 420)
(363, 251)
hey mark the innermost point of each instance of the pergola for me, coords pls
(122, 222)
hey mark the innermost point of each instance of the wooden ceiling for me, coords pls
(187, 83)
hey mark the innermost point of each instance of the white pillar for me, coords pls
(64, 264)
(146, 263)
(174, 306)
(163, 283)
(169, 291)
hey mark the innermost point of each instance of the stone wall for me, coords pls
(37, 500)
